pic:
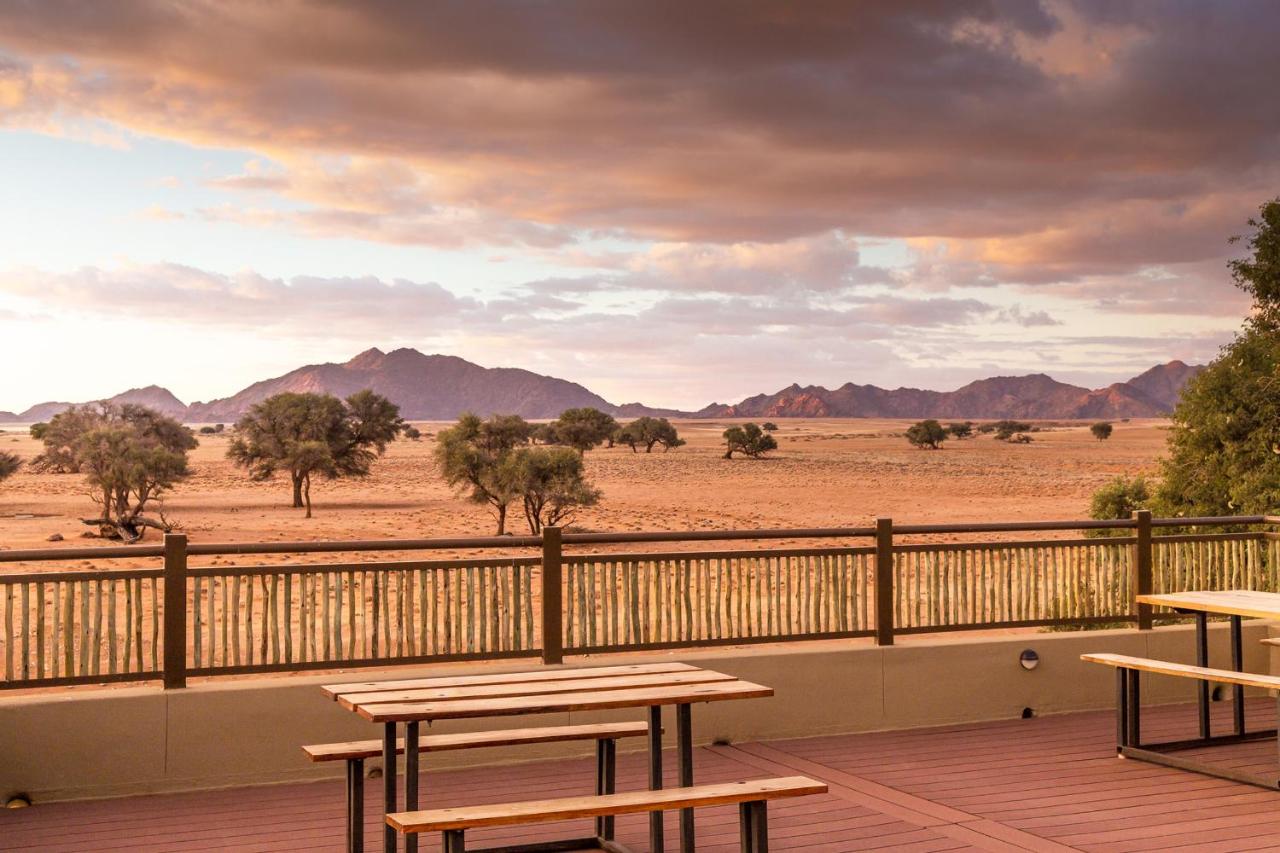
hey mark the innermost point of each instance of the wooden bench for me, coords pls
(1128, 716)
(750, 797)
(606, 736)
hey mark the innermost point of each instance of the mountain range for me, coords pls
(440, 387)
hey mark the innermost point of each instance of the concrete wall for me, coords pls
(95, 743)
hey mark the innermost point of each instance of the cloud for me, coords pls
(1021, 123)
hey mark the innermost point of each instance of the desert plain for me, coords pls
(825, 473)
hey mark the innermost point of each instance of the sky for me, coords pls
(668, 202)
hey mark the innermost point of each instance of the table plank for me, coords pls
(562, 702)
(534, 688)
(548, 674)
(1263, 605)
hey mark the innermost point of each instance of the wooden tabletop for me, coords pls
(1230, 602)
(539, 692)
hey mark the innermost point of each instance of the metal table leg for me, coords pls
(656, 843)
(1237, 663)
(411, 779)
(1202, 659)
(355, 805)
(684, 737)
(388, 784)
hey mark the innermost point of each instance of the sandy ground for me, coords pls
(840, 472)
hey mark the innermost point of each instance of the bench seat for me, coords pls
(750, 796)
(1203, 673)
(361, 749)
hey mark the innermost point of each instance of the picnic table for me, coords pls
(1234, 604)
(412, 702)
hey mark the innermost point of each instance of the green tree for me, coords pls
(1119, 498)
(1224, 444)
(963, 429)
(749, 440)
(927, 433)
(551, 483)
(130, 456)
(310, 435)
(474, 456)
(769, 426)
(583, 429)
(9, 464)
(1101, 430)
(412, 433)
(649, 432)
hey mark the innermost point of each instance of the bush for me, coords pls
(749, 440)
(412, 433)
(9, 464)
(1101, 430)
(769, 426)
(1120, 498)
(1005, 430)
(961, 430)
(927, 434)
(207, 430)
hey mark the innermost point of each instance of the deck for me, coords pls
(1044, 784)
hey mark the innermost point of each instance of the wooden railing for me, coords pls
(180, 620)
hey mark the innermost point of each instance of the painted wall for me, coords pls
(105, 742)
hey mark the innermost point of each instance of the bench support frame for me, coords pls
(1129, 734)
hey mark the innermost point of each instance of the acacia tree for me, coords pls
(649, 432)
(749, 440)
(131, 456)
(551, 483)
(582, 429)
(309, 435)
(927, 433)
(1101, 430)
(961, 429)
(9, 464)
(474, 456)
(1224, 444)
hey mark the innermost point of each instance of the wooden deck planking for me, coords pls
(1047, 784)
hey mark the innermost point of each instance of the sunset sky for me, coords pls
(670, 202)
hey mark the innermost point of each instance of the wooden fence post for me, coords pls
(175, 610)
(552, 604)
(1142, 565)
(884, 582)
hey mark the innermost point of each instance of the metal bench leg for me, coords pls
(684, 737)
(1237, 663)
(656, 841)
(1122, 708)
(455, 841)
(606, 782)
(1202, 659)
(355, 805)
(411, 779)
(388, 784)
(1134, 737)
(753, 824)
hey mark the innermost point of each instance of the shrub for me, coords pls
(1005, 430)
(412, 433)
(961, 430)
(1119, 498)
(749, 440)
(207, 430)
(9, 464)
(769, 426)
(927, 434)
(1101, 430)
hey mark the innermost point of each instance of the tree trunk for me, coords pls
(502, 519)
(297, 489)
(306, 492)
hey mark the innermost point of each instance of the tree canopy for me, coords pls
(551, 483)
(927, 434)
(129, 454)
(1224, 444)
(1101, 430)
(582, 429)
(309, 435)
(748, 439)
(649, 432)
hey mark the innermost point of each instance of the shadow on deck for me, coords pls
(1044, 784)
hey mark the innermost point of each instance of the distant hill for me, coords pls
(1036, 396)
(440, 387)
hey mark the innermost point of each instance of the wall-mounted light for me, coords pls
(1029, 660)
